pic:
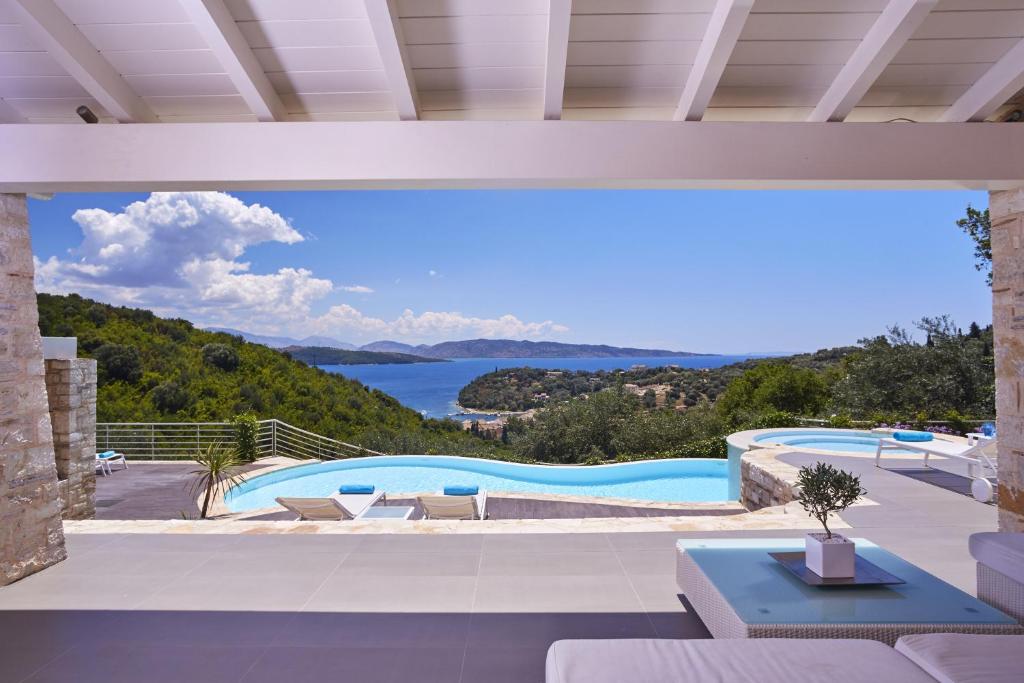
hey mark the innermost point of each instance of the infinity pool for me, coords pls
(691, 480)
(849, 441)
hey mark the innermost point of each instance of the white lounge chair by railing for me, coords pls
(336, 508)
(104, 459)
(440, 506)
(980, 465)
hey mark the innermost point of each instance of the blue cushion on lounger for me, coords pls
(356, 488)
(461, 490)
(913, 436)
(107, 454)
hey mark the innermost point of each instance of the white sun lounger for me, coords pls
(980, 465)
(336, 508)
(103, 461)
(440, 506)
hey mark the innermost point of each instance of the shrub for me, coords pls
(169, 397)
(221, 356)
(840, 421)
(118, 362)
(958, 423)
(825, 490)
(247, 432)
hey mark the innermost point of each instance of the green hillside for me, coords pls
(154, 369)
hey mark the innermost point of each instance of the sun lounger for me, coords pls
(440, 506)
(980, 465)
(339, 507)
(104, 459)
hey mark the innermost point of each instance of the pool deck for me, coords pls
(229, 600)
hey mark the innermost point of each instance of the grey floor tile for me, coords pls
(555, 594)
(297, 543)
(174, 542)
(441, 594)
(78, 544)
(678, 625)
(649, 561)
(657, 592)
(369, 630)
(110, 562)
(410, 564)
(525, 543)
(48, 590)
(233, 594)
(19, 662)
(276, 567)
(366, 665)
(504, 665)
(159, 663)
(414, 543)
(540, 629)
(568, 563)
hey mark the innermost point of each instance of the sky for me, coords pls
(704, 271)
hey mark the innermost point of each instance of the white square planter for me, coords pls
(832, 558)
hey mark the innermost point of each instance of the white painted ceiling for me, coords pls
(487, 59)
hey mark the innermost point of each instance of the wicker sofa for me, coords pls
(1000, 558)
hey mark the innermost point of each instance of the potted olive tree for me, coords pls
(825, 490)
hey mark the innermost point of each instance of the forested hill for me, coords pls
(154, 369)
(525, 388)
(324, 355)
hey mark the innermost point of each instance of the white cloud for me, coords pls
(432, 273)
(179, 254)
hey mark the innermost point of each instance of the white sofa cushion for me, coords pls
(760, 660)
(1001, 551)
(963, 658)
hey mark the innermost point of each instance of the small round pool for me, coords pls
(850, 441)
(676, 481)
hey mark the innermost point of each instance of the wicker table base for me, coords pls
(723, 622)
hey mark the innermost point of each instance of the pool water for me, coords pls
(691, 480)
(850, 441)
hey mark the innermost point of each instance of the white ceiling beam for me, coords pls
(218, 28)
(9, 114)
(41, 157)
(559, 18)
(724, 28)
(894, 27)
(387, 31)
(56, 34)
(990, 91)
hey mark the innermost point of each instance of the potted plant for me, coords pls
(825, 490)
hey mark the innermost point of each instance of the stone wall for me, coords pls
(764, 480)
(31, 536)
(1006, 210)
(71, 390)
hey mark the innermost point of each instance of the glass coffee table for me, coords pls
(739, 591)
(388, 512)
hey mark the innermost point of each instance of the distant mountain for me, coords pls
(509, 348)
(321, 355)
(282, 342)
(386, 346)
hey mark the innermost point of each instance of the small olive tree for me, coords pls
(825, 490)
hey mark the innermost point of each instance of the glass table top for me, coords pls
(762, 591)
(388, 512)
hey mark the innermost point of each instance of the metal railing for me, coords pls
(181, 440)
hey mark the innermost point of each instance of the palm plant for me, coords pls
(218, 471)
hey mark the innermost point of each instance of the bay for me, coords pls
(433, 388)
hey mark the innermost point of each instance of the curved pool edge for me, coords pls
(221, 505)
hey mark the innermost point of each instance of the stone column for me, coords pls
(1006, 210)
(31, 536)
(71, 392)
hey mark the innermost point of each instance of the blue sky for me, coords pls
(724, 272)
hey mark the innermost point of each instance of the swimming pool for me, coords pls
(690, 480)
(849, 441)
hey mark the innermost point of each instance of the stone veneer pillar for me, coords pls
(1006, 210)
(31, 536)
(71, 393)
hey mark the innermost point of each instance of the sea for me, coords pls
(433, 388)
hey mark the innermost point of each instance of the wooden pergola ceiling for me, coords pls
(167, 61)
